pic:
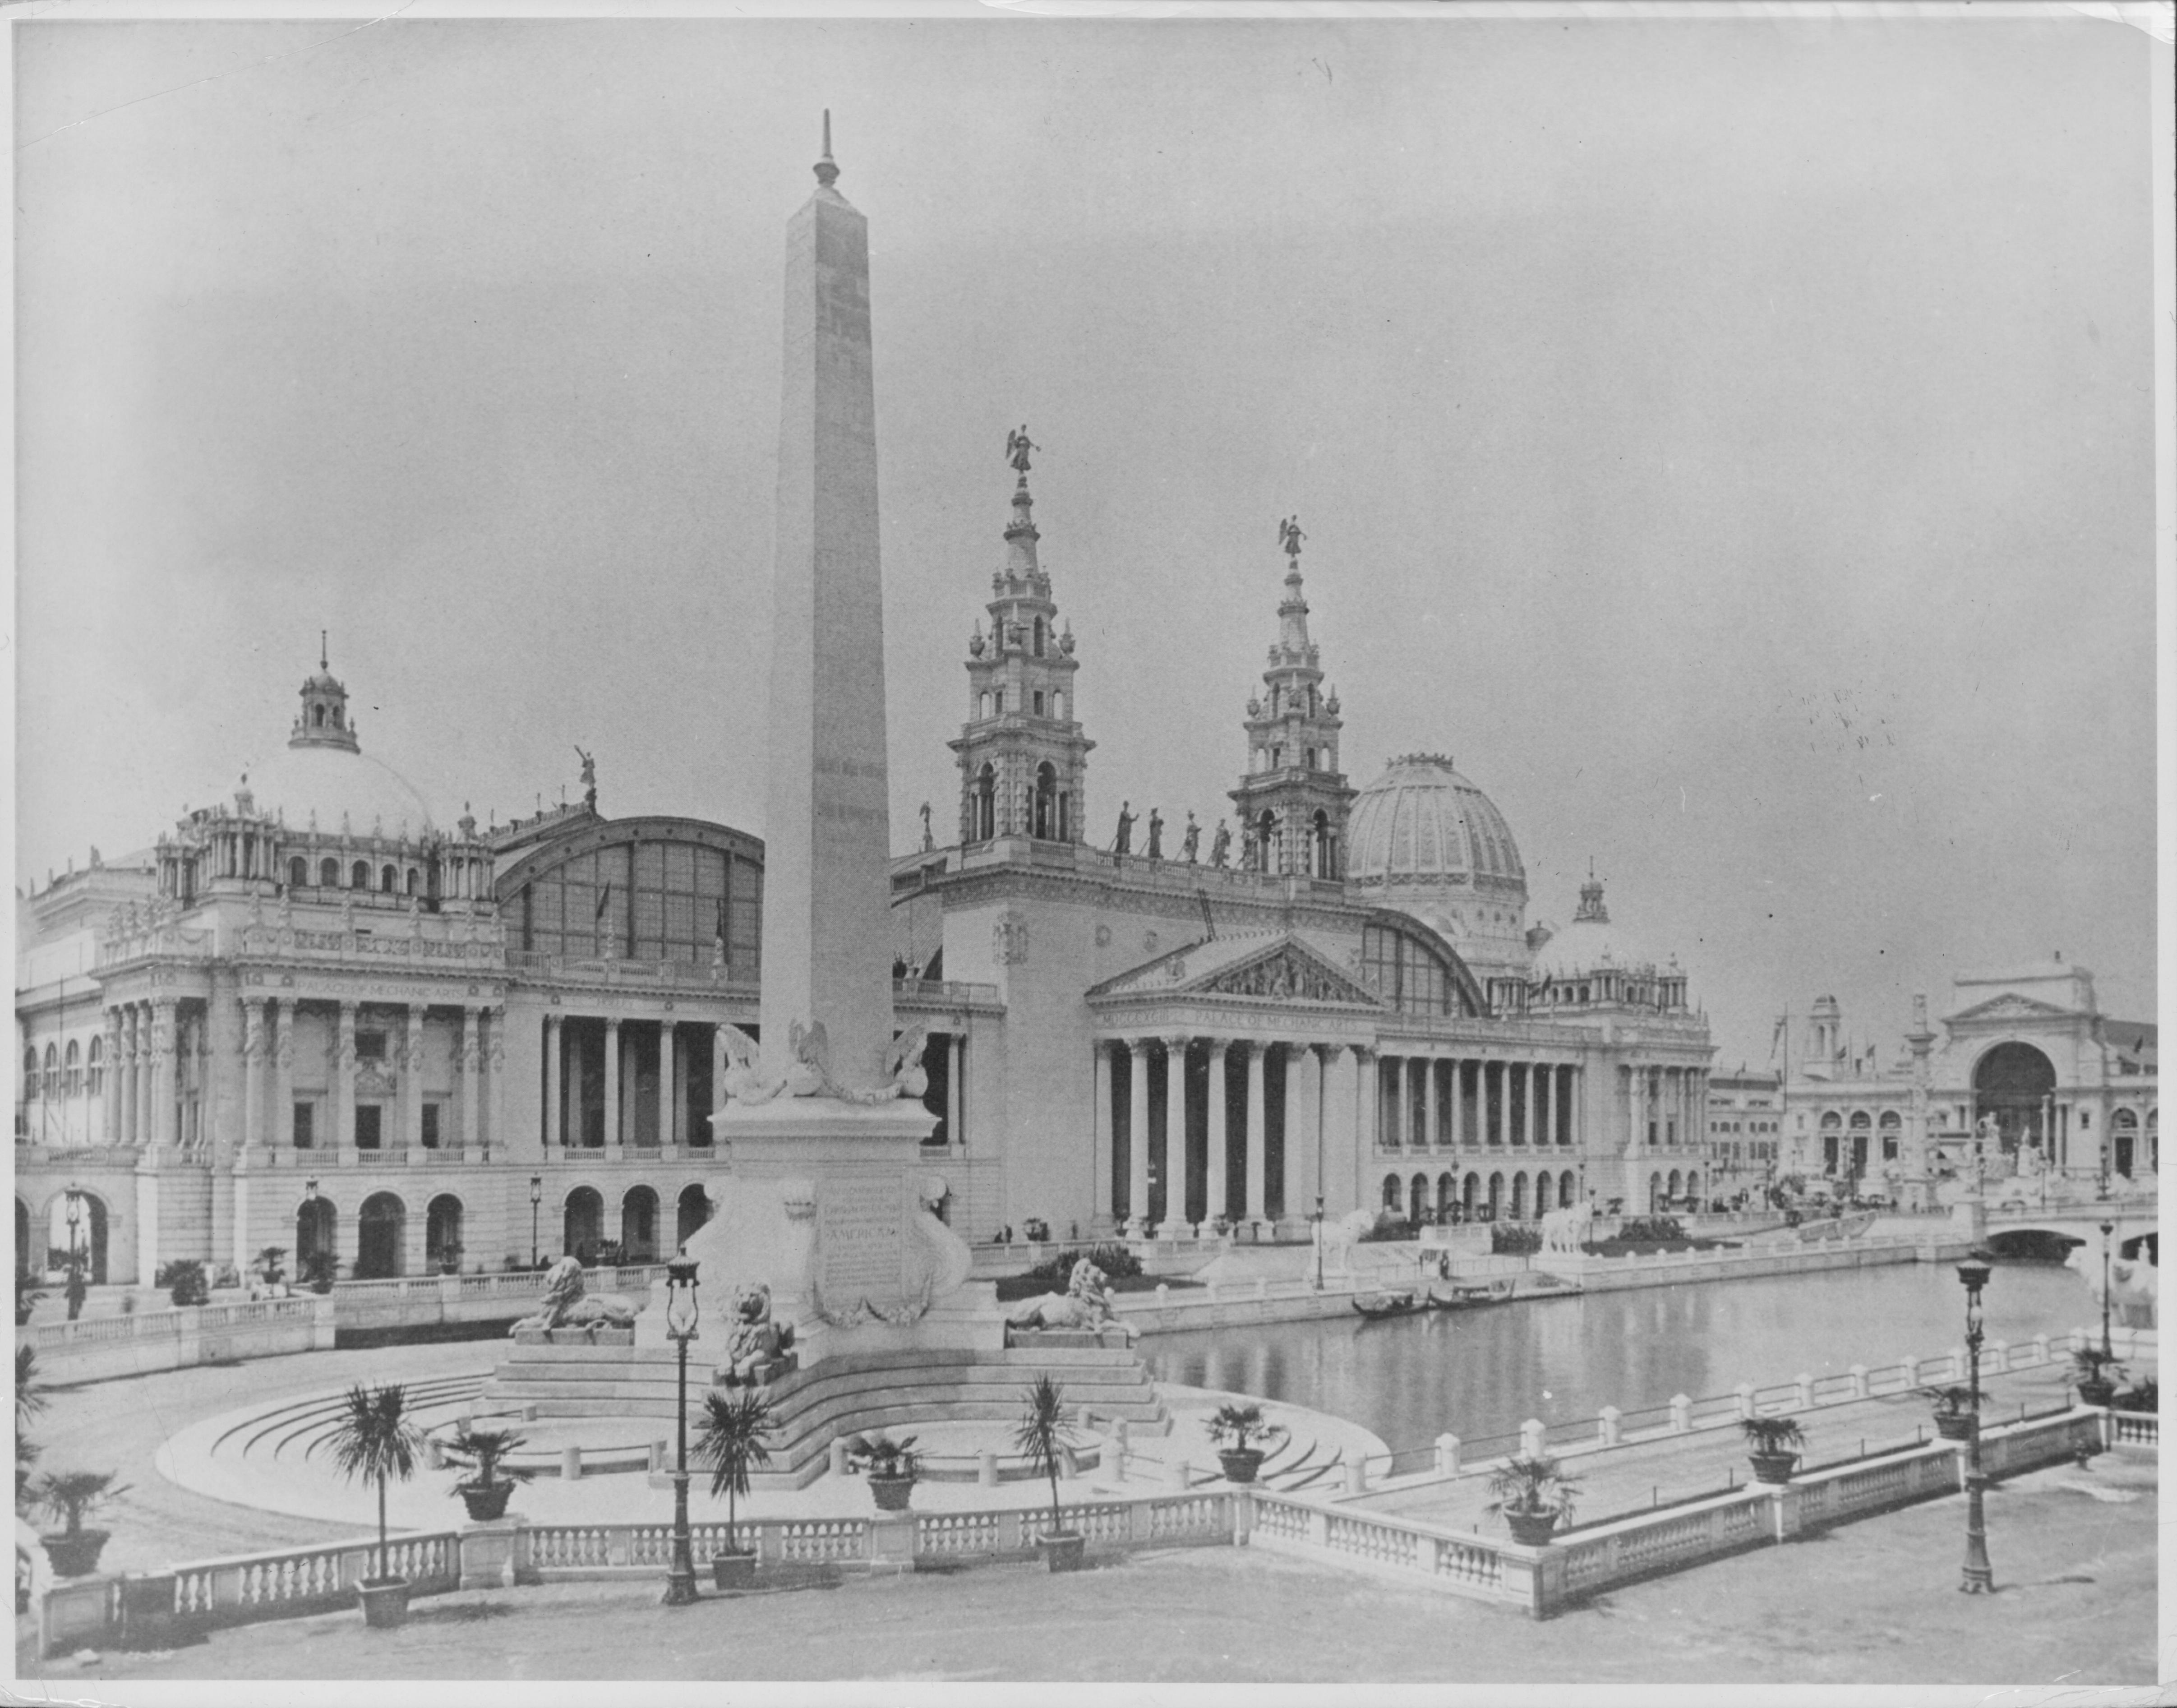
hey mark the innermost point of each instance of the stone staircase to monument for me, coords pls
(843, 1396)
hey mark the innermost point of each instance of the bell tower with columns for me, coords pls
(1294, 800)
(1023, 759)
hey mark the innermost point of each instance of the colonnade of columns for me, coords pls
(1311, 1133)
(142, 1044)
(478, 1093)
(673, 1051)
(1443, 1101)
(1665, 1107)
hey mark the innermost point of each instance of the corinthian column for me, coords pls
(1137, 1139)
(1215, 1201)
(1175, 1139)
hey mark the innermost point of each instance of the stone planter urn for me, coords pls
(1240, 1464)
(485, 1504)
(1531, 1529)
(385, 1601)
(74, 1554)
(734, 1568)
(1773, 1467)
(2096, 1392)
(1066, 1550)
(1954, 1426)
(890, 1493)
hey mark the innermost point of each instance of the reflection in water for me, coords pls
(1485, 1372)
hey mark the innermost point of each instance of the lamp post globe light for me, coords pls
(1979, 1578)
(680, 1328)
(536, 1197)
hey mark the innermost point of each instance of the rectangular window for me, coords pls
(366, 1126)
(430, 1134)
(305, 1118)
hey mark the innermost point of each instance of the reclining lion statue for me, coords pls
(1086, 1303)
(567, 1306)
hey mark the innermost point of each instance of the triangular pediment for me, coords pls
(1280, 967)
(2011, 1008)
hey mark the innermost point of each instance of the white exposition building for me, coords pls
(320, 1016)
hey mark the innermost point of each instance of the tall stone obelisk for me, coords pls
(825, 1200)
(827, 881)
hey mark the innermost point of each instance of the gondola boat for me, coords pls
(1375, 1307)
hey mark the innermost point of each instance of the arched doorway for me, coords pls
(1391, 1193)
(1417, 1199)
(1693, 1190)
(1671, 1190)
(1566, 1186)
(1469, 1190)
(1862, 1127)
(380, 1237)
(638, 1225)
(2124, 1135)
(1496, 1196)
(1266, 833)
(2011, 1086)
(584, 1224)
(442, 1234)
(1654, 1193)
(1446, 1194)
(1322, 862)
(89, 1236)
(316, 1223)
(694, 1210)
(1519, 1196)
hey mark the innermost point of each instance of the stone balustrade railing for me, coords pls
(242, 1589)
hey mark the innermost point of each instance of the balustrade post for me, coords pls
(1803, 1398)
(1743, 1397)
(1858, 1374)
(1531, 1437)
(1446, 1455)
(1682, 1413)
(1995, 1357)
(1610, 1425)
(2040, 1349)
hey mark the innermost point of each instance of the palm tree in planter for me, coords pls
(377, 1441)
(1534, 1496)
(2095, 1373)
(892, 1466)
(68, 1495)
(732, 1444)
(1234, 1429)
(1954, 1416)
(484, 1452)
(28, 1403)
(1043, 1439)
(1772, 1441)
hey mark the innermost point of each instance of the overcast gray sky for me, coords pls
(1731, 441)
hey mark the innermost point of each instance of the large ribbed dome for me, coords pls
(334, 783)
(1421, 819)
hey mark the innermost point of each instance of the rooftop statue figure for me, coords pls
(1017, 448)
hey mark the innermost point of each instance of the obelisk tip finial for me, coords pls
(321, 649)
(826, 170)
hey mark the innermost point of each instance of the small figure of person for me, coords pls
(1156, 835)
(1123, 842)
(1190, 843)
(1221, 846)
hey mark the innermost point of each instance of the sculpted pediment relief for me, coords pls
(1289, 975)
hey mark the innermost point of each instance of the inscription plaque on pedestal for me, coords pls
(861, 1240)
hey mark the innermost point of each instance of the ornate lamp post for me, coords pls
(2108, 1228)
(536, 1197)
(1318, 1257)
(680, 1326)
(1979, 1577)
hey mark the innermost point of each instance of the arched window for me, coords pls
(1519, 1196)
(415, 881)
(983, 704)
(1058, 703)
(1039, 637)
(318, 716)
(1322, 857)
(1417, 1199)
(30, 1072)
(584, 1224)
(52, 1072)
(1413, 975)
(73, 1079)
(329, 874)
(298, 872)
(388, 880)
(1391, 1193)
(1045, 824)
(1496, 1195)
(97, 1066)
(986, 804)
(695, 1210)
(1266, 832)
(358, 875)
(638, 1225)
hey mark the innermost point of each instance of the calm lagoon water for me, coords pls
(1483, 1373)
